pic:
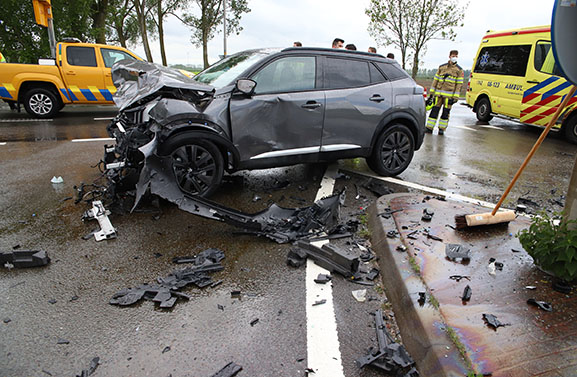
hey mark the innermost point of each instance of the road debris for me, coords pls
(323, 279)
(214, 255)
(57, 180)
(254, 322)
(390, 357)
(458, 278)
(492, 321)
(373, 273)
(540, 304)
(377, 187)
(467, 292)
(329, 256)
(320, 302)
(561, 287)
(91, 369)
(360, 295)
(427, 214)
(98, 212)
(422, 298)
(491, 268)
(229, 370)
(24, 258)
(455, 251)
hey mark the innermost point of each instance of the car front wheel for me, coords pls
(41, 103)
(484, 110)
(198, 164)
(393, 151)
(570, 129)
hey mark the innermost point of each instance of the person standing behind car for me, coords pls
(338, 43)
(444, 92)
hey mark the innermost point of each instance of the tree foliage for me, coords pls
(411, 24)
(204, 17)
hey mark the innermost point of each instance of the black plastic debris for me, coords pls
(62, 341)
(413, 235)
(166, 349)
(229, 370)
(165, 291)
(323, 279)
(561, 287)
(328, 256)
(392, 234)
(540, 304)
(377, 187)
(390, 357)
(24, 258)
(422, 298)
(433, 237)
(373, 273)
(492, 321)
(458, 278)
(320, 302)
(455, 251)
(388, 213)
(91, 369)
(467, 292)
(427, 214)
(401, 248)
(254, 321)
(6, 320)
(213, 255)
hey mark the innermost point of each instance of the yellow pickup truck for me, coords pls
(79, 75)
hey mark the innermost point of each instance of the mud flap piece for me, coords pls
(99, 213)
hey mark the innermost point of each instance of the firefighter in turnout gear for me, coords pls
(444, 92)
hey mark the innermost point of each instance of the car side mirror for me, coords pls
(246, 86)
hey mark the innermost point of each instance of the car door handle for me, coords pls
(311, 105)
(376, 98)
(71, 73)
(533, 82)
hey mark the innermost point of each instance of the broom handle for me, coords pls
(535, 147)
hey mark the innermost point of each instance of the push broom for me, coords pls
(489, 218)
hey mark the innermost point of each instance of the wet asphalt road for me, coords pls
(475, 161)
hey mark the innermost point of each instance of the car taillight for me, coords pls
(469, 82)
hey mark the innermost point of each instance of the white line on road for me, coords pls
(95, 139)
(25, 120)
(323, 353)
(108, 118)
(3, 143)
(493, 127)
(465, 128)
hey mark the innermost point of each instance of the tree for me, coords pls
(99, 12)
(411, 24)
(203, 25)
(122, 23)
(142, 9)
(160, 9)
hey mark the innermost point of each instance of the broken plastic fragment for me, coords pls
(229, 370)
(456, 251)
(323, 279)
(491, 268)
(561, 287)
(56, 179)
(254, 321)
(320, 302)
(467, 292)
(422, 298)
(401, 248)
(493, 322)
(373, 273)
(540, 304)
(91, 369)
(360, 295)
(427, 214)
(392, 234)
(458, 278)
(24, 258)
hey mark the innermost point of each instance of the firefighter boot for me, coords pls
(432, 120)
(444, 121)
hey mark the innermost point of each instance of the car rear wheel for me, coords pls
(197, 164)
(41, 103)
(570, 129)
(484, 110)
(393, 151)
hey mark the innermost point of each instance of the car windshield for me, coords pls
(225, 71)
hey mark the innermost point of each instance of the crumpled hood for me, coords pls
(136, 80)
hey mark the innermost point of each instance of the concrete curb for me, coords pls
(422, 328)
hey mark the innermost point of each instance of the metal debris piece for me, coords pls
(373, 273)
(213, 255)
(229, 370)
(392, 234)
(458, 278)
(401, 248)
(540, 304)
(91, 369)
(467, 292)
(98, 212)
(531, 287)
(328, 256)
(493, 322)
(390, 357)
(456, 251)
(427, 214)
(24, 258)
(323, 279)
(377, 187)
(320, 302)
(360, 295)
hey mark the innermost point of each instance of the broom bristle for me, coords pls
(461, 222)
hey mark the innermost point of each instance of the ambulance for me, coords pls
(514, 75)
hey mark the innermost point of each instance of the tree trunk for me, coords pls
(161, 33)
(99, 20)
(142, 26)
(415, 64)
(205, 48)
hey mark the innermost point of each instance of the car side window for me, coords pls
(288, 74)
(503, 60)
(346, 73)
(392, 71)
(376, 75)
(110, 56)
(544, 60)
(81, 56)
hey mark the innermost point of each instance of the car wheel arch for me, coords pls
(403, 118)
(478, 99)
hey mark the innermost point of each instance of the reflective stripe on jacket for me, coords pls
(447, 81)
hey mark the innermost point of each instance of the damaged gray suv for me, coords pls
(260, 109)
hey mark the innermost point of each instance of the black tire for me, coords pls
(198, 164)
(570, 129)
(393, 151)
(484, 110)
(41, 103)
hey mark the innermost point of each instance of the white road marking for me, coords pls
(494, 127)
(25, 120)
(109, 118)
(95, 139)
(446, 194)
(3, 143)
(323, 353)
(464, 128)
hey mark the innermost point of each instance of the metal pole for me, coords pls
(51, 36)
(224, 24)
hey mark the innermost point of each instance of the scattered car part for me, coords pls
(491, 268)
(254, 322)
(329, 257)
(467, 292)
(214, 255)
(229, 370)
(373, 273)
(296, 257)
(323, 279)
(561, 286)
(377, 187)
(57, 180)
(24, 258)
(458, 278)
(320, 302)
(392, 234)
(427, 214)
(401, 248)
(456, 251)
(493, 322)
(98, 212)
(390, 357)
(91, 369)
(360, 295)
(540, 304)
(422, 298)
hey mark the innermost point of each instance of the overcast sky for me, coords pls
(278, 23)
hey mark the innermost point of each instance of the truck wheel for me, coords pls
(41, 103)
(198, 165)
(484, 110)
(393, 151)
(570, 129)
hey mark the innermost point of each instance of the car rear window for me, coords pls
(81, 56)
(503, 60)
(392, 71)
(346, 73)
(376, 75)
